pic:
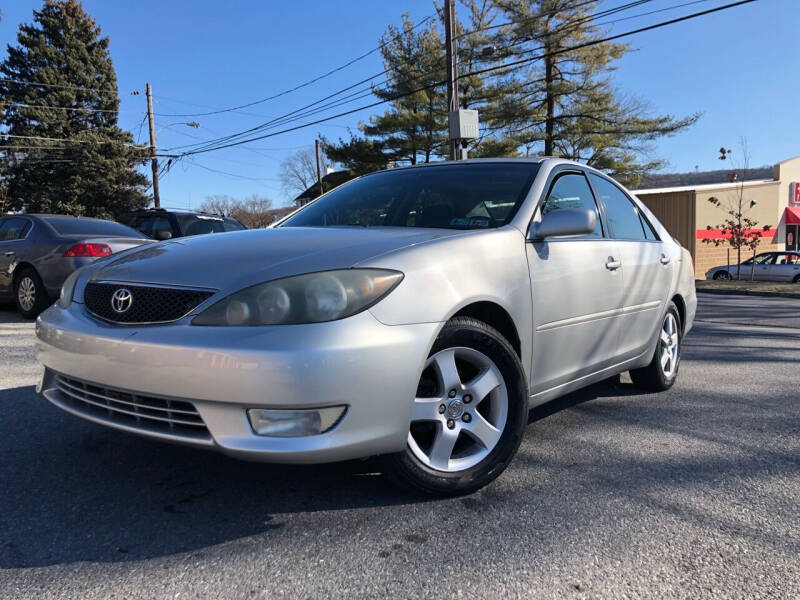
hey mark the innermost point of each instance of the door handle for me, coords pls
(9, 254)
(613, 264)
(664, 259)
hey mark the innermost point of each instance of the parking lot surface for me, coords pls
(693, 493)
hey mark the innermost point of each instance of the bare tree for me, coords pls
(738, 229)
(298, 172)
(253, 212)
(219, 204)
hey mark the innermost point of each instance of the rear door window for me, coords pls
(622, 214)
(13, 229)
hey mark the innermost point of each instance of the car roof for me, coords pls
(179, 211)
(46, 216)
(537, 160)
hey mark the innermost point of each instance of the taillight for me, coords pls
(92, 250)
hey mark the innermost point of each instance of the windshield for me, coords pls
(199, 224)
(466, 196)
(80, 226)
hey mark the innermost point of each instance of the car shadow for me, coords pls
(10, 314)
(96, 494)
(603, 389)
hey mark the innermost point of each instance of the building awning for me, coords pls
(792, 215)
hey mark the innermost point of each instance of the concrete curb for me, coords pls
(749, 293)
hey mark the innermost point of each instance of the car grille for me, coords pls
(177, 418)
(148, 304)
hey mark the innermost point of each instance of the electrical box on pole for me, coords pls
(463, 126)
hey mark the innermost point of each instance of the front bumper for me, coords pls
(359, 362)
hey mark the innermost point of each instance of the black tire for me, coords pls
(796, 279)
(652, 377)
(28, 279)
(722, 276)
(408, 470)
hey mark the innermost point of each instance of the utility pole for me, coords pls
(153, 159)
(319, 167)
(452, 70)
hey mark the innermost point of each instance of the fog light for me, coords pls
(294, 423)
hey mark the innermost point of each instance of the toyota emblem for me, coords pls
(121, 300)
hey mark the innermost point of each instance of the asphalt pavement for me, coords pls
(693, 493)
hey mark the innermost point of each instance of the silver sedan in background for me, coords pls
(417, 313)
(767, 266)
(38, 252)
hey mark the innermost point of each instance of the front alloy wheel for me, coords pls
(460, 423)
(469, 412)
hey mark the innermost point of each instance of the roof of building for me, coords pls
(663, 180)
(710, 186)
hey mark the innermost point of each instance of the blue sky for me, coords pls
(740, 68)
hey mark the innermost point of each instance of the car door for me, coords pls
(576, 290)
(786, 267)
(646, 267)
(763, 269)
(12, 234)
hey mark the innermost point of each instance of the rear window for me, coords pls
(79, 226)
(200, 224)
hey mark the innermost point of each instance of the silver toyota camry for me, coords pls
(417, 313)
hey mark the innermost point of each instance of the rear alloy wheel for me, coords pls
(662, 371)
(469, 413)
(30, 294)
(722, 276)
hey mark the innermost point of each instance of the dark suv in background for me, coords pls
(162, 224)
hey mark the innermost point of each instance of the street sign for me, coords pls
(794, 193)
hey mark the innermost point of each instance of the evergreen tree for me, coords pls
(477, 45)
(565, 103)
(68, 155)
(414, 129)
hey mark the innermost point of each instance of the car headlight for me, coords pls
(311, 298)
(67, 289)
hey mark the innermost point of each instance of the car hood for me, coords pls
(228, 261)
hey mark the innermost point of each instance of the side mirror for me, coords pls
(567, 221)
(163, 234)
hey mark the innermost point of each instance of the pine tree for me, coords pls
(414, 129)
(477, 41)
(68, 155)
(565, 103)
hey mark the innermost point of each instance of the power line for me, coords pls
(534, 18)
(75, 108)
(284, 119)
(52, 139)
(482, 71)
(305, 84)
(197, 164)
(54, 85)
